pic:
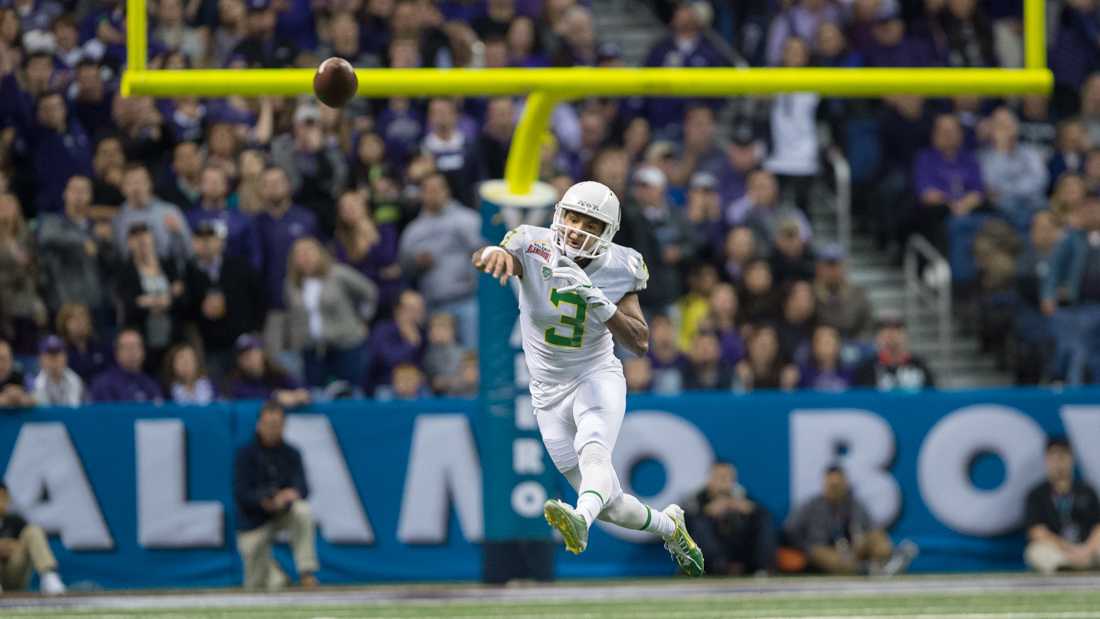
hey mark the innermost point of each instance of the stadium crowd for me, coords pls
(191, 249)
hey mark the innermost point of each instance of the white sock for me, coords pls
(660, 523)
(589, 505)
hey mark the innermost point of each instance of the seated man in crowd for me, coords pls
(269, 487)
(125, 382)
(735, 533)
(835, 531)
(893, 366)
(56, 384)
(22, 547)
(1063, 517)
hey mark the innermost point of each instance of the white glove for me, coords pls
(578, 282)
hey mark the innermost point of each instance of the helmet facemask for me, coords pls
(593, 245)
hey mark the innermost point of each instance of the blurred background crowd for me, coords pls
(193, 249)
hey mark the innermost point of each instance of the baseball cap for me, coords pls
(831, 252)
(743, 135)
(888, 319)
(246, 342)
(650, 175)
(608, 51)
(703, 180)
(307, 112)
(51, 344)
(206, 228)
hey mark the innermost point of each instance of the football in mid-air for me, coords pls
(335, 82)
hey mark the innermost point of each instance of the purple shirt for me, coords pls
(383, 254)
(119, 385)
(90, 362)
(276, 238)
(387, 349)
(954, 177)
(245, 388)
(811, 377)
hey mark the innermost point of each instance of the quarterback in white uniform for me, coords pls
(577, 295)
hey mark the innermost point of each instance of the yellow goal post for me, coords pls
(546, 88)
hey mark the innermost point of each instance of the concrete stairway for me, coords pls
(629, 24)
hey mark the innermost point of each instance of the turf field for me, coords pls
(964, 597)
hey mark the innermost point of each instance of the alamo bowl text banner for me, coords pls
(138, 496)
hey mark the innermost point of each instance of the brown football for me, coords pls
(335, 82)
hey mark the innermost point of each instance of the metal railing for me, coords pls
(935, 294)
(842, 178)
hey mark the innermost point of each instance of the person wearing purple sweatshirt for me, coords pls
(234, 226)
(395, 342)
(947, 181)
(125, 382)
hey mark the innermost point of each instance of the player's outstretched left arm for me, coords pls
(498, 262)
(628, 325)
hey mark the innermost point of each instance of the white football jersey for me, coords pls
(560, 340)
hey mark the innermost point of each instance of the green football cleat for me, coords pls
(685, 552)
(569, 523)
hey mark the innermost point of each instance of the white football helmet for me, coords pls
(592, 199)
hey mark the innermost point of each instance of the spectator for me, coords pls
(56, 384)
(184, 377)
(824, 370)
(576, 39)
(408, 382)
(739, 249)
(800, 19)
(763, 367)
(451, 149)
(90, 96)
(707, 370)
(760, 210)
(125, 381)
(841, 303)
(22, 311)
(1014, 173)
(442, 356)
(60, 149)
(181, 184)
(892, 46)
(798, 321)
(314, 165)
(792, 258)
(74, 252)
(903, 133)
(165, 221)
(235, 227)
(723, 318)
(1071, 295)
(108, 171)
(639, 374)
(280, 224)
(368, 246)
(23, 546)
(734, 532)
(1069, 151)
(150, 293)
(257, 377)
(87, 355)
(1071, 56)
(794, 156)
(969, 34)
(835, 531)
(670, 365)
(693, 307)
(496, 137)
(524, 47)
(223, 298)
(893, 367)
(1069, 194)
(270, 490)
(699, 151)
(396, 341)
(434, 249)
(948, 181)
(261, 48)
(704, 213)
(1031, 329)
(1063, 517)
(1037, 127)
(13, 391)
(329, 308)
(758, 294)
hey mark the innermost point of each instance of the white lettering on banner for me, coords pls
(443, 466)
(1082, 424)
(676, 444)
(528, 498)
(165, 518)
(332, 495)
(817, 438)
(525, 413)
(44, 464)
(527, 457)
(943, 468)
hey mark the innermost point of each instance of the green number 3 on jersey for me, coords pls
(574, 322)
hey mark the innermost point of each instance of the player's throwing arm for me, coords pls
(496, 261)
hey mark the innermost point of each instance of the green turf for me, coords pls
(1040, 605)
